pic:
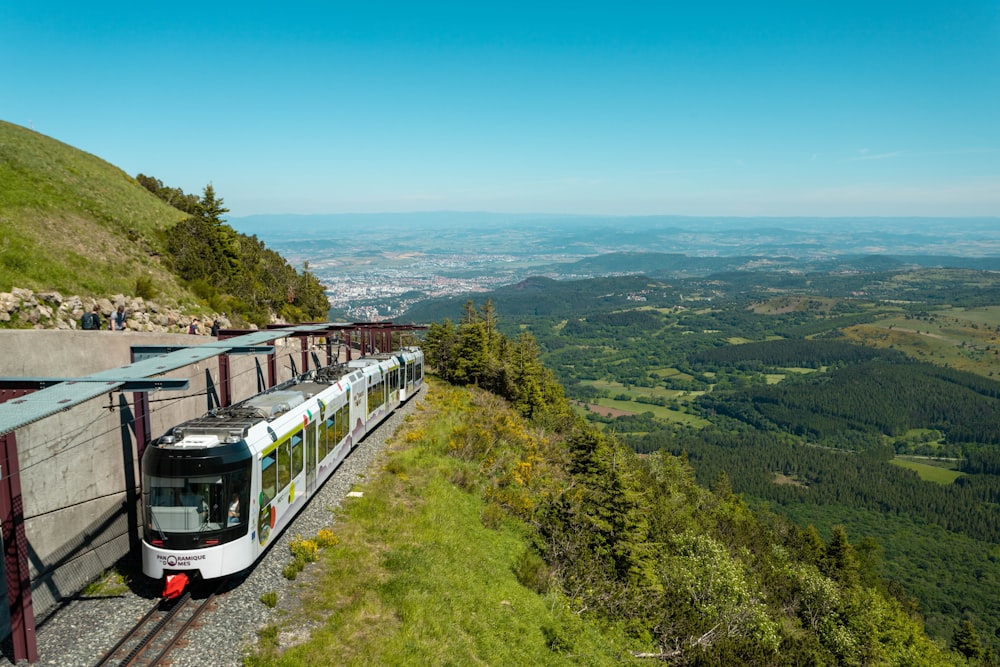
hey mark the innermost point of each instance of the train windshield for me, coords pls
(194, 504)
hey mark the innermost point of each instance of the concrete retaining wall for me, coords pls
(77, 465)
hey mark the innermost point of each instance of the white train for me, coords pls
(218, 489)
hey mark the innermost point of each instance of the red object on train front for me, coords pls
(174, 588)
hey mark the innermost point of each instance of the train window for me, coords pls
(376, 395)
(345, 422)
(297, 452)
(327, 429)
(284, 465)
(335, 433)
(268, 476)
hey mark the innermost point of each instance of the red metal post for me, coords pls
(272, 369)
(15, 545)
(140, 409)
(225, 379)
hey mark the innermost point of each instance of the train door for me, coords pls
(311, 458)
(359, 406)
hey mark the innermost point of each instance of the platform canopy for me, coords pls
(58, 394)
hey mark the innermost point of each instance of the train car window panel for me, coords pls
(327, 430)
(338, 429)
(376, 395)
(298, 451)
(237, 495)
(268, 477)
(284, 465)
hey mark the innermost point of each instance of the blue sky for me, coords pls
(691, 108)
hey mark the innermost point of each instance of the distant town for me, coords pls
(402, 259)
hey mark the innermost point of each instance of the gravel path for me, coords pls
(83, 630)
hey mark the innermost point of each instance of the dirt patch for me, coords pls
(780, 478)
(603, 411)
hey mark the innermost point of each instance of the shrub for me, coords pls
(532, 571)
(144, 288)
(292, 570)
(270, 599)
(325, 538)
(306, 551)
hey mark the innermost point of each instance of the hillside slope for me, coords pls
(485, 539)
(71, 222)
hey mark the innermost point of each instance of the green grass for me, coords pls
(659, 411)
(928, 471)
(71, 222)
(418, 577)
(111, 583)
(651, 392)
(801, 370)
(670, 372)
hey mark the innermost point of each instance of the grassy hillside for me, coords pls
(486, 540)
(71, 222)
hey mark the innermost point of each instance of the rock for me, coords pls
(51, 298)
(24, 296)
(8, 303)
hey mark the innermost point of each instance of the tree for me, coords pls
(528, 376)
(965, 640)
(840, 562)
(210, 207)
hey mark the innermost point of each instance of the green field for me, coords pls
(659, 411)
(963, 338)
(929, 470)
(669, 372)
(634, 391)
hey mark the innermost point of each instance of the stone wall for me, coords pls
(23, 308)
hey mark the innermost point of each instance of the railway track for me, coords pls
(159, 631)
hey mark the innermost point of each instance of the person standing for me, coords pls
(92, 320)
(118, 319)
(215, 328)
(193, 327)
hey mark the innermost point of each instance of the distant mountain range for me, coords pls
(588, 236)
(656, 264)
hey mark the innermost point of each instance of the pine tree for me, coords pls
(813, 549)
(965, 640)
(840, 562)
(211, 208)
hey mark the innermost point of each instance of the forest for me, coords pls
(867, 401)
(690, 575)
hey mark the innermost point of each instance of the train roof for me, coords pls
(232, 423)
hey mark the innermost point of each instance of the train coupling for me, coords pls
(174, 585)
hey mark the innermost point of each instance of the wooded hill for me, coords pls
(73, 223)
(675, 571)
(865, 400)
